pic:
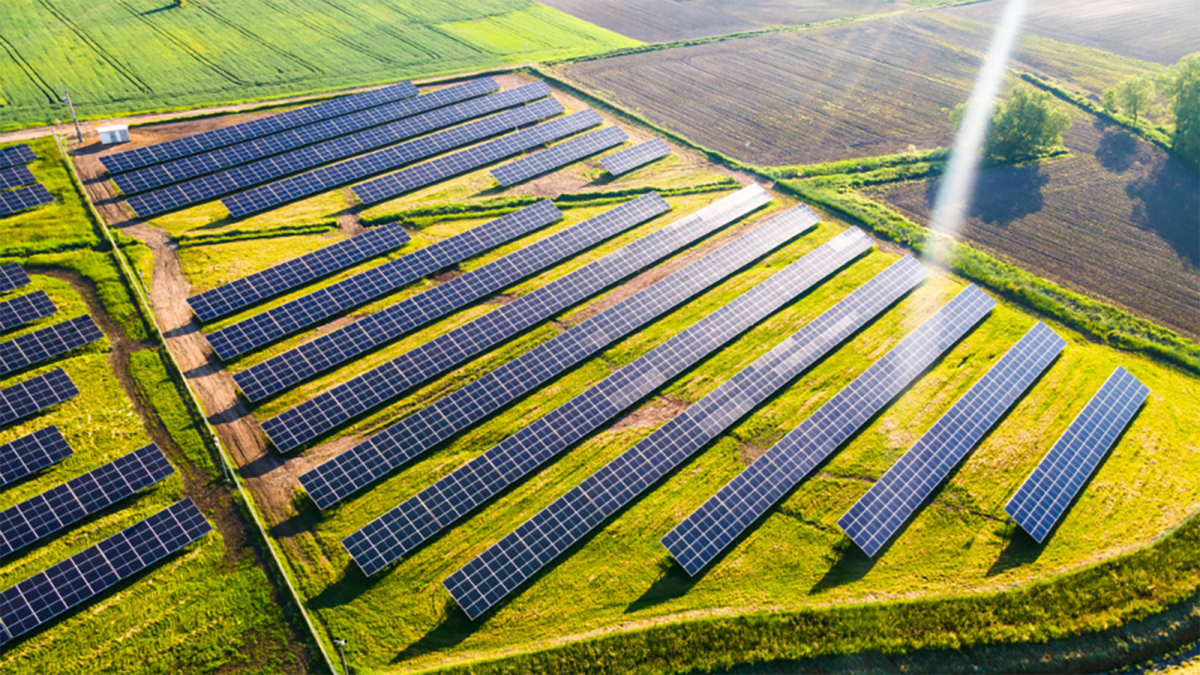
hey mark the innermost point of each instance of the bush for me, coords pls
(1024, 127)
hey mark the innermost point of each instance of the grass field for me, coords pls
(61, 226)
(143, 55)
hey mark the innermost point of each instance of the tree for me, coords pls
(1027, 125)
(1134, 96)
(1181, 86)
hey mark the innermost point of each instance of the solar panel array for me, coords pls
(330, 409)
(352, 470)
(876, 518)
(58, 507)
(25, 308)
(16, 155)
(639, 155)
(40, 345)
(16, 176)
(396, 184)
(711, 528)
(205, 188)
(37, 393)
(290, 317)
(376, 329)
(238, 133)
(1043, 498)
(13, 201)
(12, 276)
(29, 454)
(499, 570)
(88, 573)
(558, 156)
(285, 276)
(402, 529)
(185, 168)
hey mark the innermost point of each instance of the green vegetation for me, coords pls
(62, 226)
(1181, 86)
(1025, 126)
(1132, 96)
(1150, 132)
(162, 394)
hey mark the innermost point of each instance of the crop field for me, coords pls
(143, 55)
(1115, 220)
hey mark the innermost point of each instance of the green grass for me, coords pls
(161, 393)
(61, 226)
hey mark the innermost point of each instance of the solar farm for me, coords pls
(486, 372)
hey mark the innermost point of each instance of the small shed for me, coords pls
(113, 133)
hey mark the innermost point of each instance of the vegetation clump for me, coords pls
(1028, 125)
(1173, 96)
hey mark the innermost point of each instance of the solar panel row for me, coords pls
(16, 176)
(29, 454)
(352, 470)
(876, 518)
(16, 155)
(499, 570)
(238, 133)
(37, 393)
(44, 344)
(25, 308)
(185, 168)
(1043, 498)
(13, 201)
(402, 529)
(346, 401)
(558, 156)
(422, 175)
(58, 507)
(301, 313)
(285, 276)
(88, 573)
(12, 276)
(639, 155)
(206, 188)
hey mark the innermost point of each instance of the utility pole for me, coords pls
(340, 644)
(70, 106)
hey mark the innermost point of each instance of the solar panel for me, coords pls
(29, 454)
(206, 188)
(41, 345)
(90, 572)
(25, 308)
(410, 437)
(437, 507)
(16, 155)
(639, 155)
(13, 201)
(876, 518)
(368, 332)
(297, 272)
(1043, 498)
(330, 409)
(184, 168)
(12, 276)
(51, 511)
(558, 156)
(500, 569)
(359, 289)
(238, 133)
(16, 176)
(34, 394)
(422, 175)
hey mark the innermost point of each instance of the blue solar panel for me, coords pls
(238, 133)
(16, 176)
(359, 289)
(1044, 497)
(881, 512)
(24, 309)
(498, 571)
(41, 345)
(14, 201)
(37, 393)
(558, 156)
(12, 276)
(400, 530)
(90, 572)
(185, 168)
(297, 272)
(16, 155)
(29, 454)
(639, 155)
(336, 406)
(206, 188)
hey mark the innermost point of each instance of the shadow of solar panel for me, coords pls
(239, 133)
(206, 188)
(876, 518)
(639, 155)
(16, 176)
(41, 345)
(29, 454)
(37, 393)
(491, 576)
(558, 156)
(1046, 494)
(359, 289)
(24, 309)
(78, 498)
(186, 168)
(16, 155)
(14, 201)
(90, 572)
(433, 171)
(12, 276)
(296, 272)
(437, 507)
